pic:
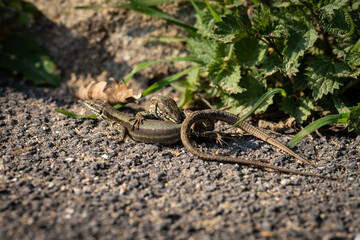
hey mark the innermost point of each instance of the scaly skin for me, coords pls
(150, 131)
(197, 117)
(167, 132)
(165, 108)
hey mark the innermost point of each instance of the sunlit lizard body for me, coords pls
(168, 132)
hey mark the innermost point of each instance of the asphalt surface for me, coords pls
(64, 178)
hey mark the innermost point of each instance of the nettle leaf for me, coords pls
(270, 65)
(354, 121)
(243, 102)
(299, 41)
(292, 15)
(345, 45)
(299, 82)
(222, 50)
(354, 59)
(299, 108)
(329, 6)
(325, 85)
(261, 17)
(202, 49)
(230, 29)
(275, 30)
(339, 24)
(250, 51)
(205, 23)
(227, 77)
(322, 76)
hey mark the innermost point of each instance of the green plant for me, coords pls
(308, 48)
(19, 54)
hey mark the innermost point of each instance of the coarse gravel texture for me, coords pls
(64, 178)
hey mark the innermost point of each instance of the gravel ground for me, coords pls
(62, 178)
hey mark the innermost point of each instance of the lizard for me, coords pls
(150, 131)
(198, 116)
(165, 131)
(168, 132)
(165, 108)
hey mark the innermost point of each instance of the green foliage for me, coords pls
(16, 14)
(329, 119)
(354, 119)
(298, 42)
(250, 51)
(261, 101)
(26, 57)
(299, 108)
(19, 54)
(229, 29)
(323, 76)
(308, 48)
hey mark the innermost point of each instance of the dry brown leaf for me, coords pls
(109, 91)
(277, 127)
(269, 125)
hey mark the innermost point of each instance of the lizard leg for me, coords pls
(139, 118)
(163, 108)
(122, 131)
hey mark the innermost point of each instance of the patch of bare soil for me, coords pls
(98, 44)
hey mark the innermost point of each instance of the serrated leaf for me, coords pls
(227, 78)
(222, 50)
(261, 17)
(229, 29)
(354, 59)
(298, 42)
(250, 51)
(321, 67)
(243, 102)
(299, 108)
(299, 83)
(339, 24)
(202, 49)
(340, 105)
(323, 76)
(329, 6)
(205, 24)
(345, 45)
(270, 65)
(324, 86)
(26, 57)
(260, 102)
(275, 30)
